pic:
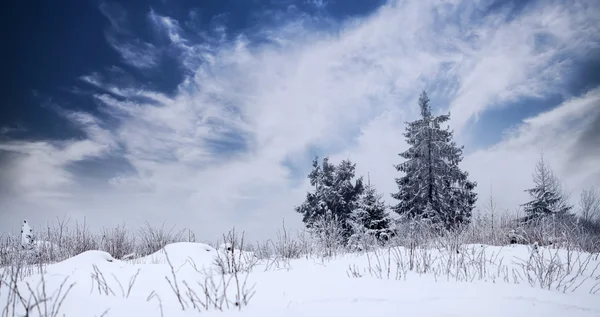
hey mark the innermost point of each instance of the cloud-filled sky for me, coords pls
(206, 115)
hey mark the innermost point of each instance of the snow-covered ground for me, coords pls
(474, 280)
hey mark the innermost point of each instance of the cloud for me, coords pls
(40, 166)
(11, 130)
(133, 50)
(522, 58)
(169, 26)
(232, 144)
(561, 134)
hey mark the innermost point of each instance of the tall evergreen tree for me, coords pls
(433, 187)
(336, 192)
(547, 195)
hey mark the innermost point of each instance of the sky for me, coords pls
(207, 114)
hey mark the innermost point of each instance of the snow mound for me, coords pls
(84, 261)
(89, 257)
(200, 254)
(225, 247)
(227, 250)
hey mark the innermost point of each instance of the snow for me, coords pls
(26, 235)
(81, 262)
(180, 253)
(315, 287)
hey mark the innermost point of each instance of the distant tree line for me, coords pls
(432, 189)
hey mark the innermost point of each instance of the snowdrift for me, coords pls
(180, 253)
(364, 284)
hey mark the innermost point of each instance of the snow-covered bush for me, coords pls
(328, 234)
(119, 242)
(286, 246)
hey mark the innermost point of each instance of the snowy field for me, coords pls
(193, 278)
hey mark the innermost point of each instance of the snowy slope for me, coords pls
(317, 287)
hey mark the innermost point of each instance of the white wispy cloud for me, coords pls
(505, 169)
(39, 167)
(525, 57)
(133, 50)
(12, 129)
(345, 92)
(169, 26)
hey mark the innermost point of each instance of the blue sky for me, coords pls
(211, 113)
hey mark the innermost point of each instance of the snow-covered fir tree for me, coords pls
(335, 191)
(371, 217)
(321, 178)
(346, 191)
(433, 187)
(547, 195)
(27, 238)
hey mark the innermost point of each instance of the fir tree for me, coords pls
(371, 217)
(336, 191)
(315, 206)
(547, 195)
(346, 191)
(433, 187)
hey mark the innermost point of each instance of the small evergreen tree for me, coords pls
(371, 217)
(547, 195)
(336, 191)
(433, 187)
(347, 192)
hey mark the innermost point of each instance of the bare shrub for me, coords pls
(59, 241)
(25, 299)
(154, 295)
(118, 242)
(100, 282)
(328, 233)
(9, 250)
(277, 253)
(226, 289)
(461, 254)
(231, 256)
(285, 246)
(548, 270)
(151, 240)
(354, 271)
(560, 232)
(362, 240)
(563, 269)
(83, 239)
(62, 239)
(103, 287)
(589, 204)
(492, 227)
